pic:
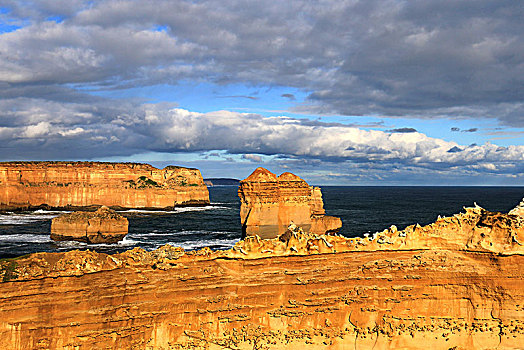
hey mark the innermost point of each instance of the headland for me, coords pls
(74, 185)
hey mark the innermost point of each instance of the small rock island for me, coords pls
(102, 226)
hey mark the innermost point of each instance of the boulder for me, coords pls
(101, 226)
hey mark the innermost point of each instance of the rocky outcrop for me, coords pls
(25, 185)
(454, 284)
(474, 230)
(270, 203)
(101, 226)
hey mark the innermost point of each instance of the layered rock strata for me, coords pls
(101, 226)
(270, 203)
(428, 293)
(25, 185)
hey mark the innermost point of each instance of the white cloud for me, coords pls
(37, 130)
(252, 157)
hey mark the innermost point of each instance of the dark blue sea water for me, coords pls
(362, 209)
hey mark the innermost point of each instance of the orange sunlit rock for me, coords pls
(84, 184)
(453, 284)
(101, 226)
(270, 203)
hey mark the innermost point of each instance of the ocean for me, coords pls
(362, 210)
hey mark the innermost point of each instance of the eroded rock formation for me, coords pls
(454, 284)
(474, 230)
(270, 203)
(84, 184)
(102, 226)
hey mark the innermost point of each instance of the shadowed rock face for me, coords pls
(83, 184)
(270, 203)
(101, 226)
(518, 210)
(454, 284)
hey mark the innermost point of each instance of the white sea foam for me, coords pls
(192, 245)
(24, 238)
(175, 211)
(67, 245)
(144, 211)
(57, 212)
(157, 233)
(128, 241)
(27, 218)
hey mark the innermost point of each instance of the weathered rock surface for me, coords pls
(454, 284)
(518, 210)
(270, 203)
(101, 226)
(83, 184)
(474, 230)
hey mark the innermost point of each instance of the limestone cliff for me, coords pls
(83, 184)
(270, 203)
(454, 284)
(102, 226)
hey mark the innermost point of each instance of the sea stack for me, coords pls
(101, 226)
(270, 203)
(72, 185)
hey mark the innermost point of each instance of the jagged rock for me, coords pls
(518, 210)
(25, 185)
(474, 230)
(269, 203)
(101, 226)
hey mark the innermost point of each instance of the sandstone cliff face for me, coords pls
(294, 298)
(101, 226)
(270, 203)
(83, 184)
(453, 284)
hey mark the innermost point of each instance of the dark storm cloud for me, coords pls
(454, 149)
(421, 59)
(240, 96)
(402, 130)
(465, 130)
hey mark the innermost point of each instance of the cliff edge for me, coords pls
(453, 284)
(26, 185)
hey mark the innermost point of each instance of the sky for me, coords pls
(338, 92)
